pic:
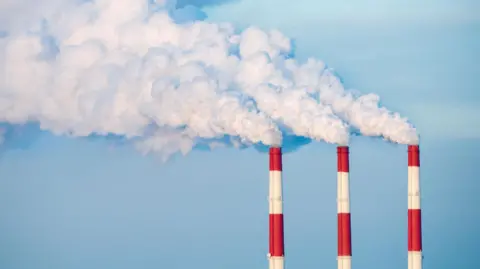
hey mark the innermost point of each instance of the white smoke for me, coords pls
(115, 67)
(363, 112)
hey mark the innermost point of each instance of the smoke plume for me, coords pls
(130, 68)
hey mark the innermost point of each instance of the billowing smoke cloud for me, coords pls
(129, 68)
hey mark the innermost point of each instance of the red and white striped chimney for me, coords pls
(414, 212)
(343, 207)
(276, 252)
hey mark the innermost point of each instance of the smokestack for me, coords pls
(276, 252)
(414, 212)
(343, 207)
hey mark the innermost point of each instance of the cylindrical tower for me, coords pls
(276, 252)
(414, 212)
(343, 209)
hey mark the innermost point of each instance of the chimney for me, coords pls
(343, 209)
(414, 212)
(276, 252)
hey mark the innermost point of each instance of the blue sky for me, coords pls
(77, 203)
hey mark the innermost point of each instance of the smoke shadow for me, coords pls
(192, 10)
(117, 140)
(203, 3)
(18, 137)
(291, 143)
(22, 137)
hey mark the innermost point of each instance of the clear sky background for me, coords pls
(82, 203)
